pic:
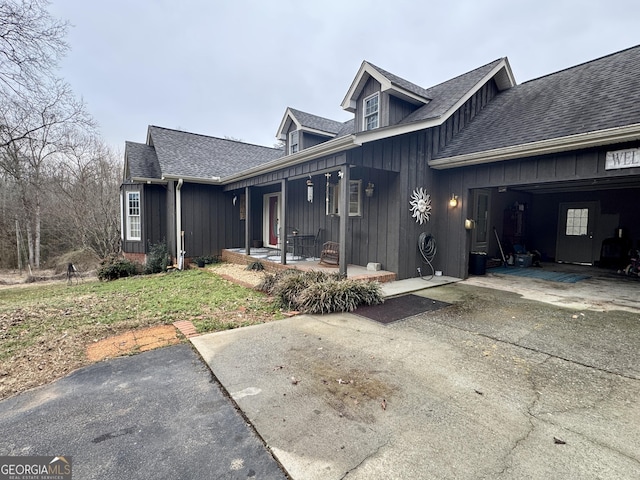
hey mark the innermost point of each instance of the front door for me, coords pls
(576, 224)
(271, 219)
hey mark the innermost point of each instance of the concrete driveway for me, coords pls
(495, 386)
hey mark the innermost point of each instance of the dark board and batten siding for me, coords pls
(308, 168)
(153, 200)
(133, 246)
(210, 220)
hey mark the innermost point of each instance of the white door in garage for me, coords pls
(576, 225)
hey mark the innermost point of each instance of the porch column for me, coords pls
(344, 218)
(247, 220)
(283, 221)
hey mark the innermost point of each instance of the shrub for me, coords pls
(257, 266)
(318, 292)
(157, 258)
(339, 296)
(114, 268)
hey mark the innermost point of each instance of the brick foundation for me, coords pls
(140, 258)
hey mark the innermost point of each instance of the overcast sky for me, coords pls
(232, 67)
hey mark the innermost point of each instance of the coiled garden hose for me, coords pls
(427, 247)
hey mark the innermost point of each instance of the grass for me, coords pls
(32, 316)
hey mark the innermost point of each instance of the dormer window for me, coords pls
(293, 141)
(370, 111)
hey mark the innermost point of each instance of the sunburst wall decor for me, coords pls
(420, 205)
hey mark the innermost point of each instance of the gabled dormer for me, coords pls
(300, 130)
(380, 99)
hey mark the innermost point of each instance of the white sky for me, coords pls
(231, 67)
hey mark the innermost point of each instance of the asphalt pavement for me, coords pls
(155, 415)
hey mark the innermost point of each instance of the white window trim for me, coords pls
(334, 205)
(130, 216)
(366, 116)
(291, 144)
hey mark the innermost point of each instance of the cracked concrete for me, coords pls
(476, 390)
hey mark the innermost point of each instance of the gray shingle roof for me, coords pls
(142, 160)
(347, 128)
(402, 83)
(315, 122)
(597, 95)
(445, 95)
(183, 154)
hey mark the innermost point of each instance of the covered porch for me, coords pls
(272, 261)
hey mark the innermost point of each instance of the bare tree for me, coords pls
(52, 119)
(87, 185)
(31, 45)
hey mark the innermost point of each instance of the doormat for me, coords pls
(533, 272)
(397, 308)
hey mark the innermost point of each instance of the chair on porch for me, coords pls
(330, 254)
(310, 250)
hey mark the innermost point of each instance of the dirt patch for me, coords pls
(133, 342)
(239, 274)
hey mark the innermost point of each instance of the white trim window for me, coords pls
(134, 225)
(355, 198)
(370, 109)
(294, 141)
(577, 222)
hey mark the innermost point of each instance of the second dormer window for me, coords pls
(370, 111)
(293, 141)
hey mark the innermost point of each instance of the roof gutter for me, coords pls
(148, 180)
(579, 141)
(183, 178)
(323, 149)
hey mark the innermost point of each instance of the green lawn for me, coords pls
(34, 315)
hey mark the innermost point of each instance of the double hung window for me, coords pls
(293, 141)
(134, 226)
(370, 108)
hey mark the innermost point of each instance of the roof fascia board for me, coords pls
(148, 180)
(326, 148)
(380, 133)
(208, 181)
(281, 134)
(317, 132)
(555, 145)
(349, 103)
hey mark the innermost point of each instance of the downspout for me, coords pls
(179, 233)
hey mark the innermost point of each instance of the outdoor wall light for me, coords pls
(309, 191)
(454, 201)
(369, 189)
(235, 199)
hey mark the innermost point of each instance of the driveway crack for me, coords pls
(371, 455)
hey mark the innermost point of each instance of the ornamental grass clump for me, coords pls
(318, 292)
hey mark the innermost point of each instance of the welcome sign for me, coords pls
(629, 158)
